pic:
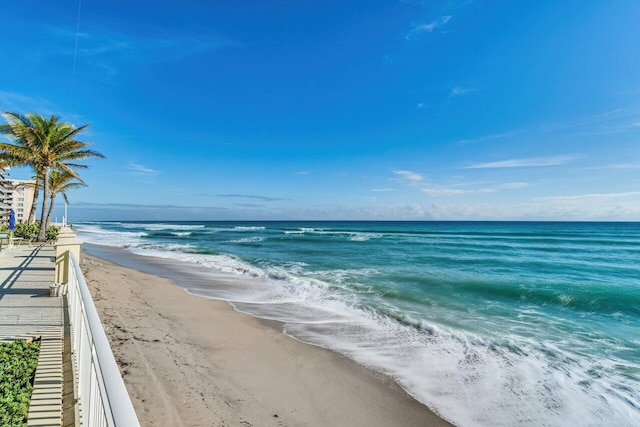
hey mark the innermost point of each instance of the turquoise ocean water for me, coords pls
(487, 323)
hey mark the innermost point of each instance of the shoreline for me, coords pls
(241, 370)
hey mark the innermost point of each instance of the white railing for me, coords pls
(102, 396)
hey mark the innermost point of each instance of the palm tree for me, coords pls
(36, 194)
(60, 182)
(44, 144)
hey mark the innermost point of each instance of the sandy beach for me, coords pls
(192, 361)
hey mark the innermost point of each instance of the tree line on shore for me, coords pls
(51, 148)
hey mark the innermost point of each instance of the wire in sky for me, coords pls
(75, 56)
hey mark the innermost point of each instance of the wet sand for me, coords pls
(192, 361)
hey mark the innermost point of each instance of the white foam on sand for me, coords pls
(464, 378)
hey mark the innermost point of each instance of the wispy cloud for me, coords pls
(584, 121)
(436, 191)
(623, 126)
(440, 13)
(251, 197)
(590, 197)
(139, 212)
(597, 209)
(419, 29)
(153, 45)
(459, 90)
(138, 206)
(382, 190)
(443, 191)
(302, 173)
(490, 137)
(525, 163)
(509, 186)
(104, 51)
(140, 170)
(621, 166)
(547, 210)
(13, 101)
(412, 177)
(417, 180)
(611, 122)
(249, 205)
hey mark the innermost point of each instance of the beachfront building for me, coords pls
(4, 184)
(16, 194)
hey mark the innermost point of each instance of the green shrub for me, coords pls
(53, 232)
(18, 361)
(27, 231)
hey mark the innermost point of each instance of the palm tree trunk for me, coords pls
(36, 193)
(52, 200)
(42, 234)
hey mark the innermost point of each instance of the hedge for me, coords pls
(18, 361)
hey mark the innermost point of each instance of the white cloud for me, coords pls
(488, 137)
(428, 28)
(511, 185)
(382, 190)
(251, 197)
(302, 173)
(459, 90)
(140, 170)
(443, 191)
(595, 197)
(412, 177)
(13, 101)
(522, 163)
(618, 166)
(611, 122)
(547, 211)
(437, 191)
(425, 27)
(553, 210)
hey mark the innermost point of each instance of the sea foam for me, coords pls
(513, 378)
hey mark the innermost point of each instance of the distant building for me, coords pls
(15, 194)
(4, 184)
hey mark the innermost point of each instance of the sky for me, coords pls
(338, 110)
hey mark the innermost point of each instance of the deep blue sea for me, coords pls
(487, 323)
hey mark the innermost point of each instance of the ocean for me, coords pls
(486, 323)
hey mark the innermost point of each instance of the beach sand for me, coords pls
(192, 361)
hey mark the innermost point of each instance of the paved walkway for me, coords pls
(26, 309)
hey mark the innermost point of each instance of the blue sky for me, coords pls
(338, 110)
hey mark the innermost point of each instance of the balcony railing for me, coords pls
(102, 396)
